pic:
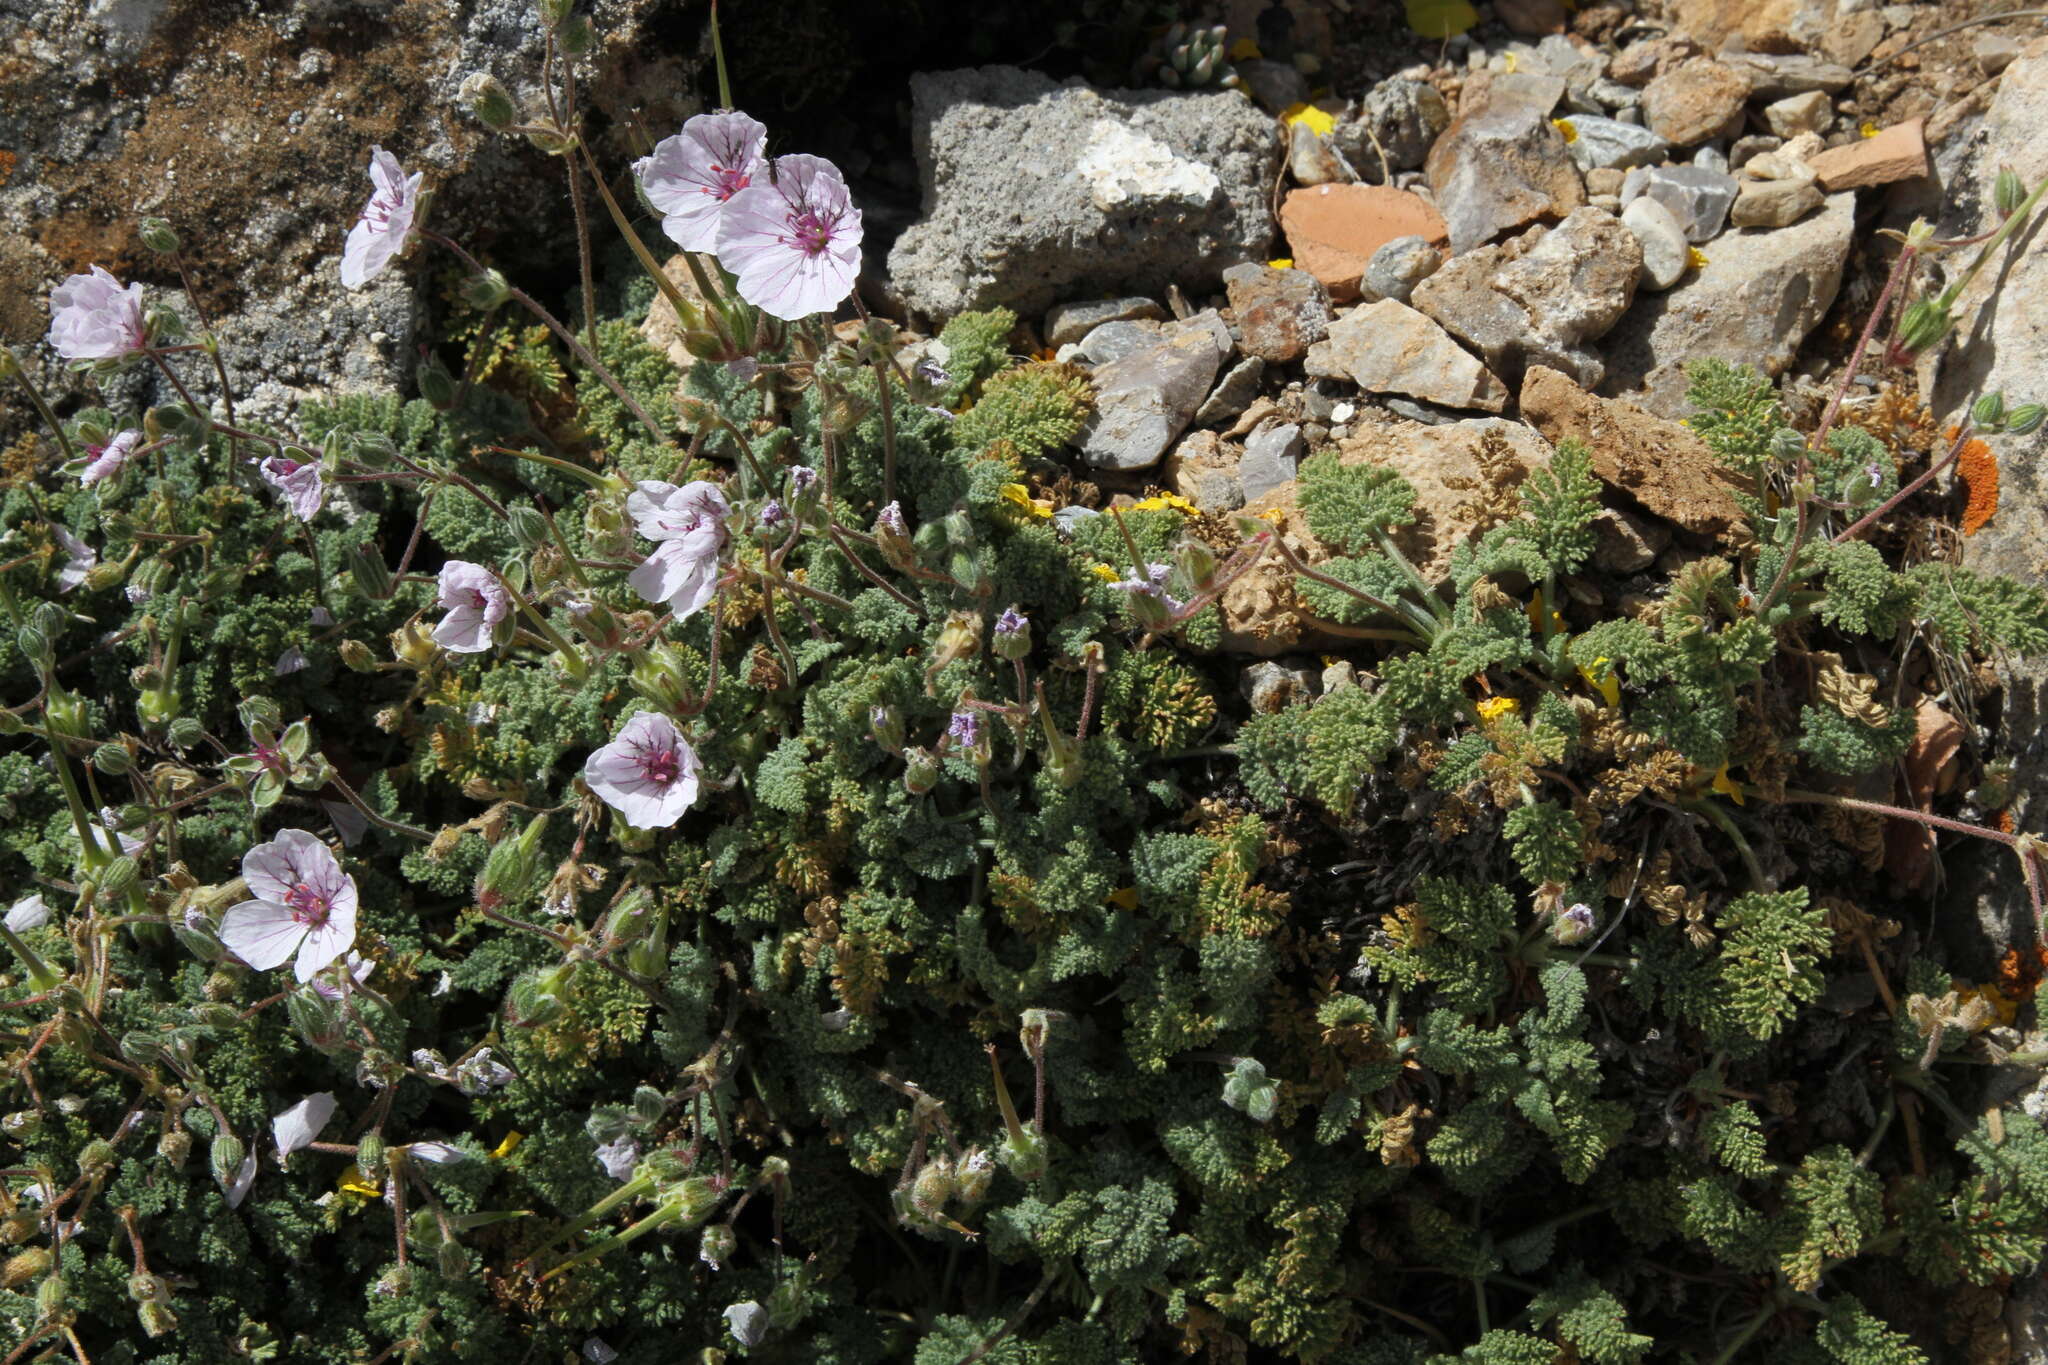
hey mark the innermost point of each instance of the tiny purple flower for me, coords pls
(303, 488)
(691, 176)
(619, 1157)
(965, 728)
(772, 515)
(109, 459)
(380, 233)
(648, 774)
(475, 601)
(1875, 473)
(1011, 621)
(93, 318)
(1152, 585)
(1572, 926)
(802, 478)
(890, 519)
(304, 904)
(793, 243)
(688, 524)
(932, 373)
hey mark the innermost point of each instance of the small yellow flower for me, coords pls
(1728, 786)
(1696, 257)
(1513, 60)
(1124, 898)
(1020, 498)
(1536, 614)
(1868, 129)
(1105, 573)
(1493, 708)
(508, 1146)
(353, 1181)
(1318, 121)
(1244, 50)
(1161, 501)
(1273, 514)
(1564, 126)
(1281, 263)
(1599, 676)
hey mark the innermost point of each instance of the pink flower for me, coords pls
(476, 602)
(688, 524)
(83, 559)
(648, 774)
(93, 318)
(380, 233)
(794, 243)
(691, 176)
(301, 484)
(304, 904)
(109, 459)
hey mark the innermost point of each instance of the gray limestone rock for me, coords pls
(1146, 399)
(1498, 170)
(1697, 197)
(1388, 347)
(1607, 142)
(1071, 321)
(1396, 268)
(1115, 340)
(1233, 393)
(1035, 191)
(1272, 454)
(1662, 239)
(1403, 117)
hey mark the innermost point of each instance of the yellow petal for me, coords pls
(508, 1146)
(1513, 60)
(1244, 50)
(1728, 786)
(1599, 676)
(1493, 708)
(1281, 263)
(1696, 257)
(1564, 125)
(1105, 573)
(1318, 121)
(1124, 898)
(1868, 129)
(353, 1181)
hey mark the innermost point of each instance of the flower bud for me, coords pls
(933, 1187)
(96, 1158)
(1011, 638)
(157, 1319)
(156, 234)
(717, 1245)
(489, 100)
(101, 577)
(11, 724)
(2025, 419)
(50, 1296)
(609, 529)
(885, 723)
(1988, 411)
(119, 877)
(1196, 562)
(175, 1147)
(578, 35)
(529, 527)
(959, 638)
(144, 1287)
(1572, 925)
(34, 645)
(171, 419)
(113, 759)
(485, 293)
(24, 1266)
(185, 732)
(224, 1158)
(22, 1124)
(1787, 445)
(509, 870)
(157, 706)
(892, 537)
(451, 1260)
(2008, 192)
(370, 1155)
(534, 1000)
(437, 386)
(357, 657)
(920, 771)
(1925, 323)
(65, 713)
(317, 1019)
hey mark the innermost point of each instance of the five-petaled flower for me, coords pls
(300, 482)
(693, 175)
(93, 318)
(304, 904)
(380, 233)
(109, 459)
(688, 526)
(793, 242)
(476, 602)
(648, 774)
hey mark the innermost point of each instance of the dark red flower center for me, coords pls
(308, 906)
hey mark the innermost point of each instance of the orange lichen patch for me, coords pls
(2020, 970)
(7, 160)
(1977, 467)
(2002, 821)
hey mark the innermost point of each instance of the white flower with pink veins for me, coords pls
(648, 774)
(303, 904)
(687, 525)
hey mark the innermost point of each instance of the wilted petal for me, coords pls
(301, 1123)
(81, 562)
(619, 1157)
(748, 1322)
(93, 318)
(244, 1178)
(109, 459)
(28, 913)
(380, 233)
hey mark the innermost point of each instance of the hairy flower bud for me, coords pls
(113, 759)
(22, 1124)
(920, 771)
(2025, 419)
(185, 732)
(717, 1245)
(96, 1158)
(1925, 323)
(357, 657)
(1988, 411)
(1787, 445)
(224, 1158)
(118, 877)
(34, 645)
(2008, 192)
(157, 1319)
(437, 386)
(317, 1019)
(370, 1155)
(157, 235)
(529, 527)
(1011, 638)
(489, 100)
(175, 1147)
(486, 292)
(50, 1296)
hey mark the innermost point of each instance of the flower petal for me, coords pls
(263, 934)
(301, 1123)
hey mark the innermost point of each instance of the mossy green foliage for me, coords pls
(1287, 1115)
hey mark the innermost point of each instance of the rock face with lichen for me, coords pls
(1036, 192)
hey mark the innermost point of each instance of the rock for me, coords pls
(1696, 100)
(1773, 76)
(1313, 160)
(1146, 399)
(1612, 94)
(1333, 230)
(1541, 297)
(1698, 198)
(1071, 321)
(1711, 158)
(1608, 143)
(1897, 153)
(1115, 340)
(1272, 454)
(1853, 38)
(1268, 686)
(1662, 239)
(1994, 52)
(1210, 323)
(1233, 393)
(1778, 166)
(1388, 347)
(1531, 17)
(1603, 180)
(1399, 117)
(1499, 91)
(1750, 147)
(1396, 268)
(1759, 24)
(1811, 112)
(1578, 62)
(1773, 203)
(1626, 543)
(1035, 191)
(1660, 464)
(1641, 61)
(1278, 86)
(1279, 312)
(1203, 469)
(1760, 293)
(1495, 171)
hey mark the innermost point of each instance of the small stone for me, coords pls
(1699, 199)
(1811, 112)
(1388, 347)
(1072, 321)
(1210, 323)
(1278, 86)
(1403, 117)
(1115, 340)
(1146, 399)
(1660, 464)
(1313, 160)
(1612, 94)
(1280, 313)
(1778, 166)
(1773, 203)
(1272, 454)
(1498, 91)
(1773, 76)
(1852, 37)
(1897, 153)
(1665, 251)
(1499, 170)
(1579, 63)
(1603, 180)
(1203, 469)
(1233, 393)
(1333, 230)
(1397, 267)
(1531, 17)
(1605, 143)
(1696, 100)
(1711, 158)
(1624, 542)
(1270, 686)
(1640, 62)
(1610, 202)
(1754, 145)
(1994, 52)
(1067, 518)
